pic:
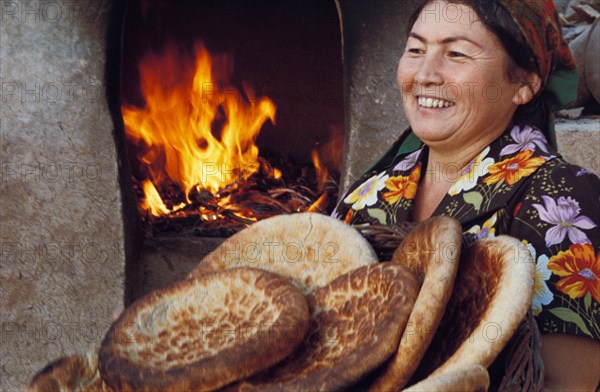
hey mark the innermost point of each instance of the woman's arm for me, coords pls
(571, 363)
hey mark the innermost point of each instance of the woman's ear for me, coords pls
(529, 87)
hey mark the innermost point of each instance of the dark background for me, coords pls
(289, 51)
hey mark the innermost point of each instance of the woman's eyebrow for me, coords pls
(446, 40)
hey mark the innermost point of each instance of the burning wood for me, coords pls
(240, 203)
(200, 170)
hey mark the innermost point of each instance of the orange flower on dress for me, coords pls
(402, 186)
(513, 169)
(579, 268)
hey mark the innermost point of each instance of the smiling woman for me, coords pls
(479, 80)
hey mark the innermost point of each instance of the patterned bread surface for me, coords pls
(312, 249)
(431, 251)
(204, 333)
(492, 294)
(356, 321)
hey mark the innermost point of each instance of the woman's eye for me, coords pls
(415, 51)
(456, 54)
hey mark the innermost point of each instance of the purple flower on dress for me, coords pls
(563, 214)
(526, 139)
(408, 162)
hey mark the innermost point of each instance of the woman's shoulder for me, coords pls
(557, 182)
(523, 138)
(559, 173)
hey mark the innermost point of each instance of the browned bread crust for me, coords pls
(356, 322)
(431, 251)
(492, 294)
(65, 374)
(312, 249)
(204, 333)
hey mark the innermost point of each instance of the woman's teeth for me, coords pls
(434, 103)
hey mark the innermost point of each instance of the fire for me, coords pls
(322, 177)
(153, 200)
(197, 131)
(195, 141)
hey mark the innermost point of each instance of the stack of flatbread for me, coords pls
(356, 323)
(300, 302)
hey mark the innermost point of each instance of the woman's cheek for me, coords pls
(407, 69)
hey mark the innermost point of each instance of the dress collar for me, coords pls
(491, 180)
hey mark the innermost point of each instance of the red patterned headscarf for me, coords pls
(538, 22)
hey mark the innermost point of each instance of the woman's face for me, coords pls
(453, 79)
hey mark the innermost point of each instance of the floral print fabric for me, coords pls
(517, 186)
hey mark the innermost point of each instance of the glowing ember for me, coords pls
(196, 138)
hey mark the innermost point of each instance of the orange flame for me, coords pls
(322, 175)
(199, 132)
(153, 200)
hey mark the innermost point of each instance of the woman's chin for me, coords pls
(431, 125)
(432, 133)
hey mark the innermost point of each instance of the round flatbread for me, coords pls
(204, 333)
(356, 322)
(310, 248)
(491, 296)
(431, 251)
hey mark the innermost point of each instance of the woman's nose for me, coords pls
(430, 70)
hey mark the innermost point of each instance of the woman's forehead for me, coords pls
(452, 12)
(443, 21)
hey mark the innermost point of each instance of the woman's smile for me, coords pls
(436, 103)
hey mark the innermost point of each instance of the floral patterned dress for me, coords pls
(517, 186)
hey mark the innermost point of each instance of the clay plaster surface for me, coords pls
(62, 261)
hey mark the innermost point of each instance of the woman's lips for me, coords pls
(429, 102)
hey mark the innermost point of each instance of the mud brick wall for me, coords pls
(62, 266)
(374, 33)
